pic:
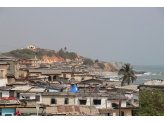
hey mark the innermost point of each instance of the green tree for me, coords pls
(101, 65)
(97, 61)
(88, 62)
(62, 53)
(49, 54)
(128, 74)
(151, 103)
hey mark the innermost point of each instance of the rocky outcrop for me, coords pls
(78, 58)
(47, 59)
(108, 67)
(111, 68)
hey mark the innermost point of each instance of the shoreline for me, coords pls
(102, 73)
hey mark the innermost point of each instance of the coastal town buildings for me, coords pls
(61, 88)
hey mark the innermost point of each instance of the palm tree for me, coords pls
(128, 74)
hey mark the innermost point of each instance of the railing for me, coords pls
(9, 98)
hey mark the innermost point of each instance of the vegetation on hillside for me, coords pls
(151, 103)
(67, 55)
(29, 54)
(88, 62)
(96, 61)
(101, 65)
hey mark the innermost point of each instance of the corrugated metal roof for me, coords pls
(27, 93)
(37, 90)
(128, 87)
(22, 88)
(49, 71)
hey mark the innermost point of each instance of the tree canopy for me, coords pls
(88, 62)
(96, 61)
(128, 74)
(101, 65)
(151, 103)
(29, 54)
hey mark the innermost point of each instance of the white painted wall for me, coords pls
(40, 97)
(123, 103)
(3, 82)
(31, 96)
(135, 97)
(15, 93)
(53, 90)
(5, 93)
(103, 103)
(102, 91)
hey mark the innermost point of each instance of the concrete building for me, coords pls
(31, 47)
(9, 70)
(58, 98)
(53, 74)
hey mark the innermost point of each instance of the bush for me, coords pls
(151, 103)
(88, 62)
(97, 61)
(101, 65)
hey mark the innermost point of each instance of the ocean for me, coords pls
(152, 72)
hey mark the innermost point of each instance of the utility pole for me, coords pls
(119, 104)
(90, 101)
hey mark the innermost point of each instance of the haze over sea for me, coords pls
(152, 72)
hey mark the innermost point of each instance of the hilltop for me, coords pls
(50, 56)
(43, 54)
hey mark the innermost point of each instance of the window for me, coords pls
(53, 101)
(37, 97)
(114, 105)
(17, 95)
(97, 102)
(135, 100)
(66, 101)
(110, 114)
(64, 75)
(0, 94)
(83, 102)
(1, 74)
(122, 113)
(54, 77)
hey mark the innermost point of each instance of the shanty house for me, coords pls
(58, 98)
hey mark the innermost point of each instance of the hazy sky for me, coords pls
(133, 35)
